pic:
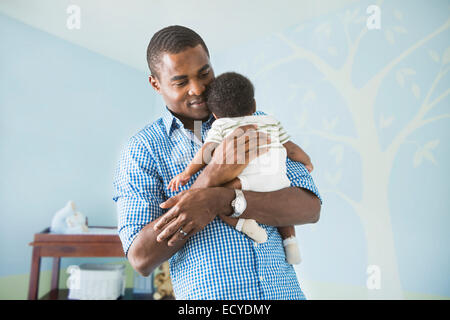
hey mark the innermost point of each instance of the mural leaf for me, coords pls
(309, 96)
(425, 152)
(434, 55)
(330, 125)
(400, 75)
(400, 78)
(389, 36)
(429, 156)
(398, 15)
(338, 152)
(335, 178)
(417, 159)
(431, 144)
(400, 29)
(409, 71)
(415, 90)
(303, 118)
(324, 28)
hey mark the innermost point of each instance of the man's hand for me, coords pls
(232, 156)
(191, 210)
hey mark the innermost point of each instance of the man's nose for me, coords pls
(197, 88)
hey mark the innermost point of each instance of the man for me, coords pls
(208, 258)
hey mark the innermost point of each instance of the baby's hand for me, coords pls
(179, 180)
(309, 167)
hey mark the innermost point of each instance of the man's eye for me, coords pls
(180, 84)
(204, 74)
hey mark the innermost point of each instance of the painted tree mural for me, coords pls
(376, 161)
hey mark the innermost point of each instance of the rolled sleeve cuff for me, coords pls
(133, 215)
(300, 177)
(127, 234)
(308, 184)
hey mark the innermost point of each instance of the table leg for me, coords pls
(55, 273)
(34, 274)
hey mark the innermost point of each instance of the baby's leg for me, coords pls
(247, 226)
(230, 221)
(290, 244)
(286, 232)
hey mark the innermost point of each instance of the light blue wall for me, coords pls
(66, 112)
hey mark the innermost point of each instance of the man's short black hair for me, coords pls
(230, 95)
(172, 39)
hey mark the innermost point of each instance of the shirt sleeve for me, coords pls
(284, 137)
(138, 191)
(214, 134)
(300, 177)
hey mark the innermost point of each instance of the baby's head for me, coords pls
(231, 95)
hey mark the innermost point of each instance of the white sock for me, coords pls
(251, 228)
(240, 224)
(291, 250)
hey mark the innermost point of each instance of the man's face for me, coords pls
(182, 79)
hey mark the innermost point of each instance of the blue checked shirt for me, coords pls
(218, 262)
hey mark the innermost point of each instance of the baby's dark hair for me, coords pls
(230, 95)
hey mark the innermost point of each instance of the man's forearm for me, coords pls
(146, 253)
(288, 206)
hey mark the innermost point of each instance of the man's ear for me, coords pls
(154, 83)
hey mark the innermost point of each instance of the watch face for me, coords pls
(239, 205)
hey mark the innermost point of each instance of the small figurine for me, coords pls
(67, 220)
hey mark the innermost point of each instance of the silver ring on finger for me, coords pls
(183, 233)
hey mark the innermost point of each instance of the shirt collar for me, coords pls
(171, 122)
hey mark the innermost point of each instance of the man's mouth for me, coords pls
(197, 103)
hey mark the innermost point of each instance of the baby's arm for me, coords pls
(295, 153)
(201, 159)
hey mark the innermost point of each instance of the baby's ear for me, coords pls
(254, 105)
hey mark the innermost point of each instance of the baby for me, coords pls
(230, 98)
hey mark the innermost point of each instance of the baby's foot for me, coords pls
(251, 228)
(292, 251)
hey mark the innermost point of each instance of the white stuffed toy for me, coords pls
(67, 220)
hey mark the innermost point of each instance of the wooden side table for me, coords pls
(46, 244)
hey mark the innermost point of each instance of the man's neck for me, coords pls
(188, 123)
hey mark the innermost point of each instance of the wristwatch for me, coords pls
(239, 204)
